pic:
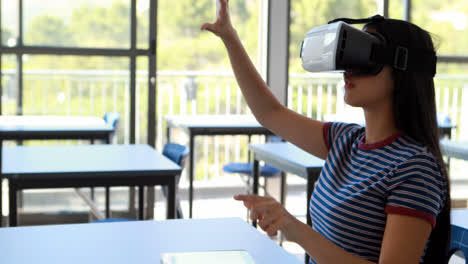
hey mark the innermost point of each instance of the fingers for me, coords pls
(271, 215)
(207, 26)
(248, 199)
(224, 6)
(255, 215)
(273, 221)
(274, 227)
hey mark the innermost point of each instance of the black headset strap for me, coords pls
(405, 59)
(376, 18)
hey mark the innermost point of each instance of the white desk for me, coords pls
(139, 242)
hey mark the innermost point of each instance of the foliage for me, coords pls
(182, 46)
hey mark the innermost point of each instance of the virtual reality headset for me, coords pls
(338, 46)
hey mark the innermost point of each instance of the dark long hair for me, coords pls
(415, 114)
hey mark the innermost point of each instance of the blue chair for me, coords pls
(445, 126)
(246, 168)
(178, 154)
(112, 119)
(110, 220)
(458, 242)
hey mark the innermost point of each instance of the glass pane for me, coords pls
(142, 24)
(395, 9)
(195, 76)
(9, 85)
(199, 50)
(451, 83)
(320, 95)
(448, 21)
(83, 23)
(141, 124)
(75, 85)
(9, 23)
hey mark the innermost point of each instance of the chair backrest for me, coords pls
(112, 119)
(443, 119)
(274, 138)
(175, 152)
(458, 242)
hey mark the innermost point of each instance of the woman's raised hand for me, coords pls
(222, 27)
(271, 215)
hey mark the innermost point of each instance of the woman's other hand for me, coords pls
(271, 215)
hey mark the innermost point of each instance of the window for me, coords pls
(9, 22)
(84, 23)
(194, 73)
(448, 21)
(76, 58)
(9, 81)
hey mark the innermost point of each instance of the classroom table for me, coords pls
(46, 127)
(454, 149)
(211, 125)
(140, 242)
(33, 167)
(54, 127)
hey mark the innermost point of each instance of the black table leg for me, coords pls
(1, 184)
(312, 177)
(256, 173)
(310, 188)
(171, 199)
(168, 134)
(1, 201)
(283, 188)
(141, 202)
(107, 188)
(13, 204)
(107, 201)
(191, 170)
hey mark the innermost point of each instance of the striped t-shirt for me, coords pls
(361, 183)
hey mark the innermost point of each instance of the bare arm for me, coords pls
(404, 238)
(304, 132)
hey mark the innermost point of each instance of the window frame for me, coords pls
(132, 53)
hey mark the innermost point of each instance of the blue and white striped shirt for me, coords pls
(361, 183)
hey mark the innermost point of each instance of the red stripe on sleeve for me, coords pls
(411, 212)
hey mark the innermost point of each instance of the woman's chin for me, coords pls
(352, 101)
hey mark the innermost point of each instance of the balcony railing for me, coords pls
(70, 92)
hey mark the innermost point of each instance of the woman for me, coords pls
(383, 193)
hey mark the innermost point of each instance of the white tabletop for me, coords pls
(287, 157)
(212, 120)
(50, 121)
(455, 149)
(30, 161)
(139, 242)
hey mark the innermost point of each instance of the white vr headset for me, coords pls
(339, 46)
